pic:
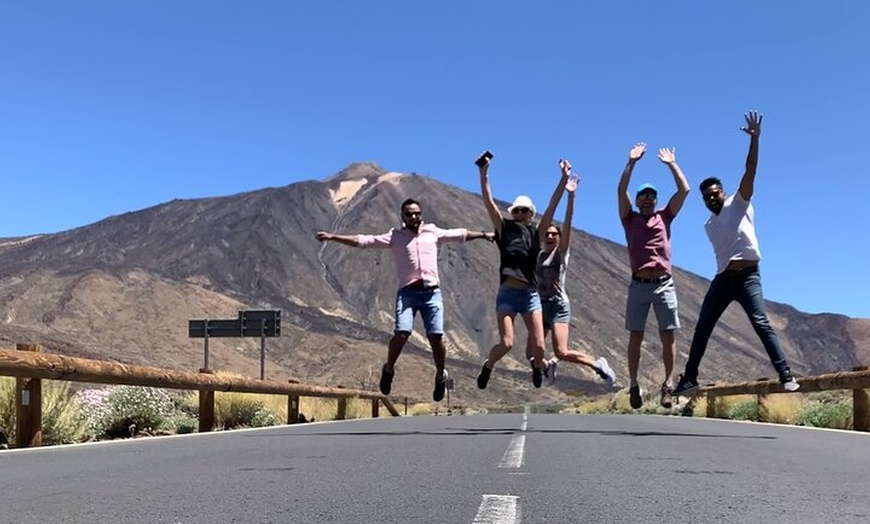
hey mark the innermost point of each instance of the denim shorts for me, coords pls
(557, 310)
(517, 301)
(428, 302)
(662, 296)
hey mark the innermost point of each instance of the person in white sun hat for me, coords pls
(518, 240)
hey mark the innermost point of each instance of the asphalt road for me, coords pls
(494, 469)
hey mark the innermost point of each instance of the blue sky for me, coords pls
(109, 107)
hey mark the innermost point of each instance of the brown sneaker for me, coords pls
(667, 400)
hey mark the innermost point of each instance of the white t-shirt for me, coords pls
(732, 232)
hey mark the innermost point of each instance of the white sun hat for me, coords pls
(522, 201)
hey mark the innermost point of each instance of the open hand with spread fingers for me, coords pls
(668, 156)
(571, 185)
(753, 123)
(637, 151)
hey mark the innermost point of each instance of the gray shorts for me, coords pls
(663, 298)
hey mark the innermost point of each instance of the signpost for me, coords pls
(250, 323)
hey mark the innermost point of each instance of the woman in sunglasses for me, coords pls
(518, 240)
(551, 269)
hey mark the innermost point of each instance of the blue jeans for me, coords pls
(744, 286)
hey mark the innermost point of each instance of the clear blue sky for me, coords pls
(108, 107)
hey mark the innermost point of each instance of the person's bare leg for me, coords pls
(669, 354)
(439, 352)
(635, 338)
(506, 339)
(535, 326)
(560, 347)
(395, 348)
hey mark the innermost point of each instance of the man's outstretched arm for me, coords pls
(668, 157)
(635, 154)
(348, 240)
(753, 129)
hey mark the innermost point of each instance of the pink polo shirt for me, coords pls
(415, 255)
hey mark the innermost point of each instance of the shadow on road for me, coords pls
(465, 432)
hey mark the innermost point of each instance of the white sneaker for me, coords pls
(603, 370)
(791, 385)
(552, 371)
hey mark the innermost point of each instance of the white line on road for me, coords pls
(525, 423)
(513, 456)
(498, 509)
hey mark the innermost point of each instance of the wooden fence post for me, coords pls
(376, 404)
(763, 406)
(341, 413)
(206, 407)
(28, 406)
(861, 406)
(293, 409)
(711, 406)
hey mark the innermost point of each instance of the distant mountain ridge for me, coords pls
(123, 288)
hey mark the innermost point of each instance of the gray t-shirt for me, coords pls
(551, 269)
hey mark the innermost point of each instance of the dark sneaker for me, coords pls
(537, 376)
(440, 386)
(685, 387)
(483, 378)
(667, 399)
(386, 383)
(634, 397)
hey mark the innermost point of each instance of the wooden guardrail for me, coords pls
(29, 365)
(858, 380)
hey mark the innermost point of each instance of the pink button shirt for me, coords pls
(415, 255)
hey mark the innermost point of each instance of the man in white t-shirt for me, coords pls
(731, 230)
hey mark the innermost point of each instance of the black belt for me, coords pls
(654, 280)
(419, 285)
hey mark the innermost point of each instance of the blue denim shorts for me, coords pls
(556, 311)
(428, 302)
(517, 301)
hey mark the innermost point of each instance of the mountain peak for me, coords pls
(358, 170)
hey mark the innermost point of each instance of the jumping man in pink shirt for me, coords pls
(415, 253)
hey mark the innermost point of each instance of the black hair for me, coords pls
(710, 182)
(410, 202)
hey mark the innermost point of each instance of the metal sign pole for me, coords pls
(262, 349)
(205, 349)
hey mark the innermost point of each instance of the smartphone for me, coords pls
(483, 159)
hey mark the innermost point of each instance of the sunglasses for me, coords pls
(552, 234)
(412, 214)
(519, 210)
(710, 195)
(647, 196)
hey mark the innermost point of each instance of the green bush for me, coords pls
(62, 422)
(184, 424)
(7, 406)
(263, 418)
(121, 411)
(745, 410)
(235, 410)
(827, 413)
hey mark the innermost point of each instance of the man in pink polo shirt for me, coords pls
(648, 235)
(415, 253)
